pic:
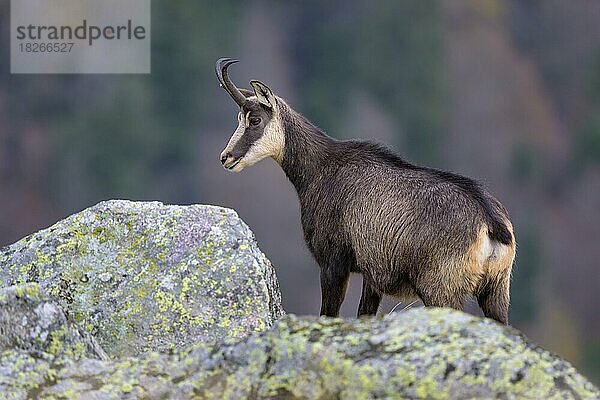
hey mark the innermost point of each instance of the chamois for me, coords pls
(410, 231)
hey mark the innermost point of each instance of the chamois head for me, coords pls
(259, 133)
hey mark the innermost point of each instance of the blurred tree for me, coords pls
(134, 137)
(400, 67)
(524, 167)
(587, 142)
(526, 273)
(591, 360)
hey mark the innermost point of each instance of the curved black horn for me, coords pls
(221, 70)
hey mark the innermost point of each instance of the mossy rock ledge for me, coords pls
(116, 257)
(421, 353)
(143, 276)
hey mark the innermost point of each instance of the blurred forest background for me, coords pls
(504, 91)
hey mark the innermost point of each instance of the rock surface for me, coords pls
(150, 277)
(421, 353)
(32, 323)
(36, 339)
(187, 306)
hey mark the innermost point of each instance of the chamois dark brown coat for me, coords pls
(410, 231)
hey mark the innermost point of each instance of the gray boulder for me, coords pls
(418, 354)
(150, 277)
(187, 306)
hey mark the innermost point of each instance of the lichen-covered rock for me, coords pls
(418, 354)
(182, 299)
(36, 339)
(30, 322)
(150, 277)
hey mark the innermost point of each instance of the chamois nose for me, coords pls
(224, 157)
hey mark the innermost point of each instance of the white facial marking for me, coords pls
(237, 134)
(271, 143)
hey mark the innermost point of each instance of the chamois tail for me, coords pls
(498, 229)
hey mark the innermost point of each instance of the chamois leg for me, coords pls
(442, 301)
(433, 295)
(369, 300)
(494, 298)
(333, 289)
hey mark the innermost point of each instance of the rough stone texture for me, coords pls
(32, 323)
(36, 338)
(150, 277)
(421, 353)
(182, 299)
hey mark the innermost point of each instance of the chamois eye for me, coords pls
(255, 121)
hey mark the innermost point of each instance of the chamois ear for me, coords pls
(264, 95)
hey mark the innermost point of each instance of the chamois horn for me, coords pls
(221, 70)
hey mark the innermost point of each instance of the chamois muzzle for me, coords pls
(221, 70)
(228, 161)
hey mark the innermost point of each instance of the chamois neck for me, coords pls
(307, 151)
